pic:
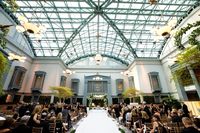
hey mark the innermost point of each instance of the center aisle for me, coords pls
(97, 121)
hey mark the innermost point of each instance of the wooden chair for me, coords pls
(37, 129)
(52, 127)
(172, 127)
(149, 127)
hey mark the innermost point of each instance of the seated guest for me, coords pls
(44, 123)
(59, 124)
(189, 128)
(175, 117)
(197, 123)
(34, 119)
(22, 127)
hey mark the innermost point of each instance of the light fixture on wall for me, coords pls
(164, 31)
(14, 57)
(36, 30)
(68, 72)
(97, 78)
(126, 73)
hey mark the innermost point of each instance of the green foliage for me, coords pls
(172, 102)
(90, 98)
(73, 131)
(121, 130)
(3, 34)
(179, 34)
(190, 56)
(62, 92)
(3, 69)
(192, 37)
(130, 93)
(13, 5)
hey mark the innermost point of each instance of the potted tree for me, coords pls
(130, 93)
(62, 92)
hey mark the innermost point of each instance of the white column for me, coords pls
(52, 99)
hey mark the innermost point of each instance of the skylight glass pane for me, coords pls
(132, 20)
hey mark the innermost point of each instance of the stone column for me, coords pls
(22, 97)
(180, 89)
(141, 98)
(52, 99)
(194, 79)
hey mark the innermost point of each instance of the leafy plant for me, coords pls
(172, 102)
(3, 34)
(3, 69)
(62, 92)
(190, 56)
(179, 34)
(130, 93)
(121, 130)
(192, 37)
(73, 131)
(13, 5)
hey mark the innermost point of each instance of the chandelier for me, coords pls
(36, 30)
(164, 31)
(14, 57)
(153, 2)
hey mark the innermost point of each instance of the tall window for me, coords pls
(17, 78)
(38, 80)
(120, 85)
(154, 81)
(63, 80)
(131, 82)
(75, 85)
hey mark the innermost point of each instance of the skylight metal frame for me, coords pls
(124, 27)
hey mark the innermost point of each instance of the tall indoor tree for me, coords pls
(62, 92)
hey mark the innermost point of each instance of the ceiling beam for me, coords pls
(92, 55)
(124, 39)
(76, 32)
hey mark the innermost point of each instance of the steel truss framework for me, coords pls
(124, 27)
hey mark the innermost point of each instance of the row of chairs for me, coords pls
(170, 127)
(52, 128)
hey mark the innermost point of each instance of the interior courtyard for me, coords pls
(100, 61)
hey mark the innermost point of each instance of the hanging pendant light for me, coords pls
(98, 58)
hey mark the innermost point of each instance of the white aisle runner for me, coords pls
(97, 121)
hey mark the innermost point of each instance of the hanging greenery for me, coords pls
(3, 69)
(192, 37)
(62, 92)
(190, 56)
(3, 34)
(179, 34)
(12, 5)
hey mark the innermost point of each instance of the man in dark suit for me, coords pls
(189, 128)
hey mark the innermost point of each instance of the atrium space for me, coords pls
(99, 54)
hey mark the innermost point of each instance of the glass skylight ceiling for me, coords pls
(123, 31)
